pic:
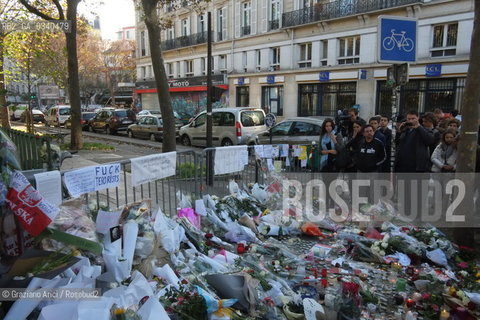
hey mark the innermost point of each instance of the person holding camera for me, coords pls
(413, 141)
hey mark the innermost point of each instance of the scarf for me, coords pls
(326, 143)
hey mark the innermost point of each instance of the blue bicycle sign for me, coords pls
(398, 40)
(397, 37)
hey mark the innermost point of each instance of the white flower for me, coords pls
(384, 245)
(382, 253)
(465, 301)
(463, 273)
(386, 237)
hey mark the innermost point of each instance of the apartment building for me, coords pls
(307, 57)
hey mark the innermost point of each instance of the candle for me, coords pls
(444, 315)
(402, 284)
(417, 296)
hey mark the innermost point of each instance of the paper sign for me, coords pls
(230, 159)
(259, 151)
(49, 184)
(92, 178)
(278, 166)
(153, 167)
(283, 150)
(268, 151)
(303, 153)
(106, 220)
(296, 151)
(32, 211)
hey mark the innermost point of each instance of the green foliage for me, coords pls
(188, 169)
(185, 303)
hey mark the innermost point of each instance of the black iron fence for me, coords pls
(245, 30)
(338, 9)
(185, 41)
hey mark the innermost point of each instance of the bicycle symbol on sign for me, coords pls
(399, 40)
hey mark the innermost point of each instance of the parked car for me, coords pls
(150, 127)
(57, 115)
(17, 111)
(299, 130)
(112, 120)
(149, 113)
(231, 126)
(83, 121)
(37, 115)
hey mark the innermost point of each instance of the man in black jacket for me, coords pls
(371, 153)
(413, 141)
(384, 120)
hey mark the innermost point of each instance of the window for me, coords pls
(203, 65)
(128, 34)
(169, 70)
(244, 61)
(246, 11)
(201, 120)
(221, 25)
(282, 129)
(275, 58)
(143, 72)
(258, 60)
(274, 21)
(444, 40)
(323, 52)
(242, 97)
(272, 100)
(305, 129)
(222, 63)
(252, 118)
(305, 59)
(324, 99)
(349, 50)
(178, 69)
(185, 28)
(171, 33)
(189, 68)
(202, 25)
(223, 119)
(143, 49)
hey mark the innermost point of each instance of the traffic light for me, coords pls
(33, 96)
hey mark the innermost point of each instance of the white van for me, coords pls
(57, 115)
(231, 126)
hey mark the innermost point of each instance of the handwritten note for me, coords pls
(106, 220)
(230, 159)
(153, 167)
(49, 184)
(92, 178)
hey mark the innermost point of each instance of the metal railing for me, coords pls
(34, 151)
(339, 9)
(192, 179)
(273, 24)
(245, 30)
(185, 41)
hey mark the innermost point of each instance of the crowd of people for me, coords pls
(426, 143)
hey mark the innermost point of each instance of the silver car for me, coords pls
(150, 127)
(231, 126)
(299, 130)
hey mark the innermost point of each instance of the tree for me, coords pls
(40, 8)
(150, 15)
(9, 11)
(118, 63)
(467, 147)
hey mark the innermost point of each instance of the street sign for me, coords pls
(270, 120)
(271, 79)
(433, 70)
(324, 76)
(397, 39)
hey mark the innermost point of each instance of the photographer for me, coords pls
(413, 141)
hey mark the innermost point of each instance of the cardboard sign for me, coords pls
(33, 212)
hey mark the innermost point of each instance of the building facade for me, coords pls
(311, 58)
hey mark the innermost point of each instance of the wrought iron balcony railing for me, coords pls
(338, 9)
(245, 30)
(273, 24)
(185, 41)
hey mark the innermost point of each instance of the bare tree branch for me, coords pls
(35, 11)
(61, 15)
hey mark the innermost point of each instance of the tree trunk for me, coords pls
(467, 146)
(4, 118)
(73, 82)
(153, 27)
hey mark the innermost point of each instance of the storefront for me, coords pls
(188, 95)
(430, 86)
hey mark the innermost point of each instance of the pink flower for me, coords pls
(462, 265)
(435, 307)
(425, 296)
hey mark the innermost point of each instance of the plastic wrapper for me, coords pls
(239, 233)
(184, 201)
(191, 215)
(213, 305)
(259, 193)
(437, 256)
(170, 232)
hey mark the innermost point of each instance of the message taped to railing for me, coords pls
(153, 167)
(230, 159)
(92, 178)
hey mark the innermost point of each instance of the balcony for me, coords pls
(338, 9)
(221, 36)
(245, 31)
(273, 24)
(185, 41)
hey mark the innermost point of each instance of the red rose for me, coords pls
(184, 281)
(208, 235)
(425, 296)
(324, 283)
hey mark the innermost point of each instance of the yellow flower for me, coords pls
(477, 275)
(451, 290)
(267, 211)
